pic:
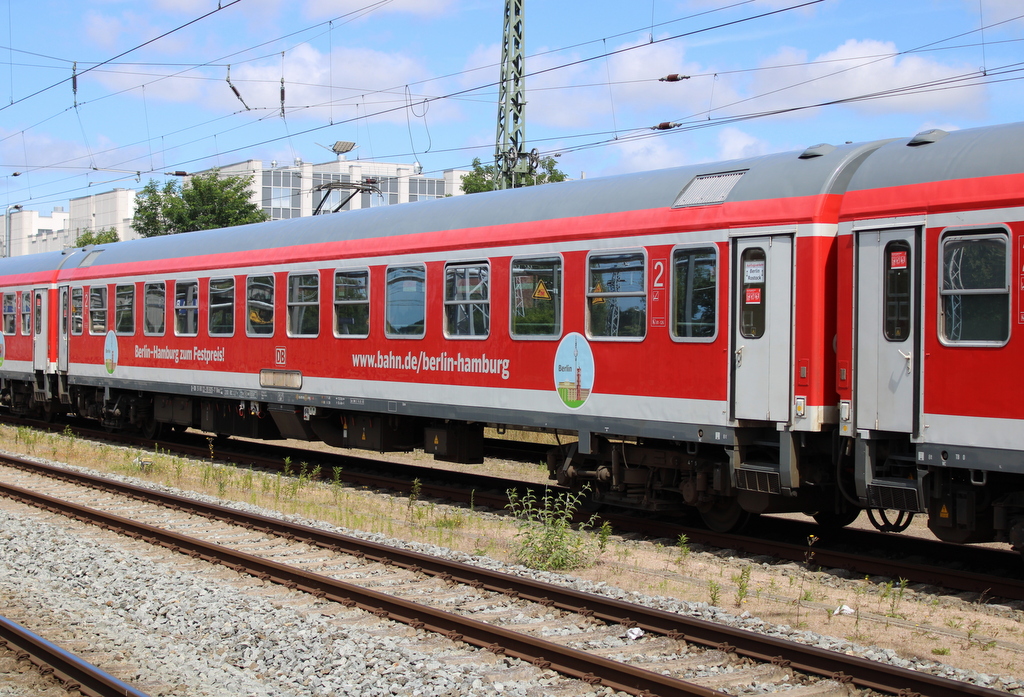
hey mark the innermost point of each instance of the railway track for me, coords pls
(860, 552)
(542, 624)
(71, 673)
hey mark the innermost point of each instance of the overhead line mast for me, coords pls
(510, 158)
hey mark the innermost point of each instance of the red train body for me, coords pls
(824, 332)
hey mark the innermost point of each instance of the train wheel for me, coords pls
(151, 429)
(726, 515)
(834, 520)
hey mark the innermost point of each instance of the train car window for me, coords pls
(98, 310)
(897, 316)
(304, 304)
(536, 298)
(617, 295)
(124, 309)
(467, 300)
(695, 293)
(259, 306)
(405, 310)
(753, 267)
(26, 313)
(77, 311)
(352, 304)
(222, 307)
(156, 309)
(10, 313)
(186, 308)
(975, 288)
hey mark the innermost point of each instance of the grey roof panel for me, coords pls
(975, 152)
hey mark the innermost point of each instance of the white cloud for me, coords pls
(734, 144)
(339, 8)
(858, 69)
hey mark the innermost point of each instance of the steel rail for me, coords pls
(71, 671)
(544, 654)
(829, 664)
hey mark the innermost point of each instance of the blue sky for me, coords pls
(415, 80)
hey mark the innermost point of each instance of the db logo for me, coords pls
(280, 357)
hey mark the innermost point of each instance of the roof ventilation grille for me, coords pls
(926, 137)
(706, 189)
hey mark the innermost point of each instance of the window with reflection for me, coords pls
(695, 292)
(405, 309)
(156, 309)
(98, 310)
(896, 314)
(259, 305)
(352, 303)
(221, 319)
(753, 270)
(304, 304)
(617, 295)
(467, 300)
(186, 308)
(976, 287)
(536, 297)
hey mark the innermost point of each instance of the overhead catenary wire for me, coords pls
(368, 113)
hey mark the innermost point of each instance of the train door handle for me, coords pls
(739, 356)
(910, 361)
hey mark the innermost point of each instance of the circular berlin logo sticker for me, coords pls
(574, 370)
(110, 352)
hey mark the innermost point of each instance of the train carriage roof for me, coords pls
(936, 155)
(823, 169)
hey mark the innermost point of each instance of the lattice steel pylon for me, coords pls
(510, 157)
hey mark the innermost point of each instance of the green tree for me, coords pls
(98, 237)
(482, 177)
(206, 201)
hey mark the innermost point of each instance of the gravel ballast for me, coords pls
(187, 624)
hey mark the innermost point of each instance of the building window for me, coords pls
(388, 195)
(259, 306)
(334, 197)
(186, 308)
(98, 310)
(77, 323)
(975, 288)
(156, 309)
(405, 311)
(467, 300)
(304, 304)
(617, 296)
(124, 309)
(352, 303)
(10, 313)
(537, 297)
(422, 188)
(282, 194)
(222, 307)
(695, 292)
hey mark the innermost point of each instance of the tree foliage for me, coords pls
(97, 237)
(206, 201)
(482, 178)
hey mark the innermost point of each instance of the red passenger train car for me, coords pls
(822, 331)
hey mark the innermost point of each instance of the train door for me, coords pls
(65, 329)
(40, 350)
(762, 329)
(887, 356)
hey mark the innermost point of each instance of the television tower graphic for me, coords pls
(576, 362)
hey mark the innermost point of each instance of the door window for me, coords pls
(753, 270)
(896, 317)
